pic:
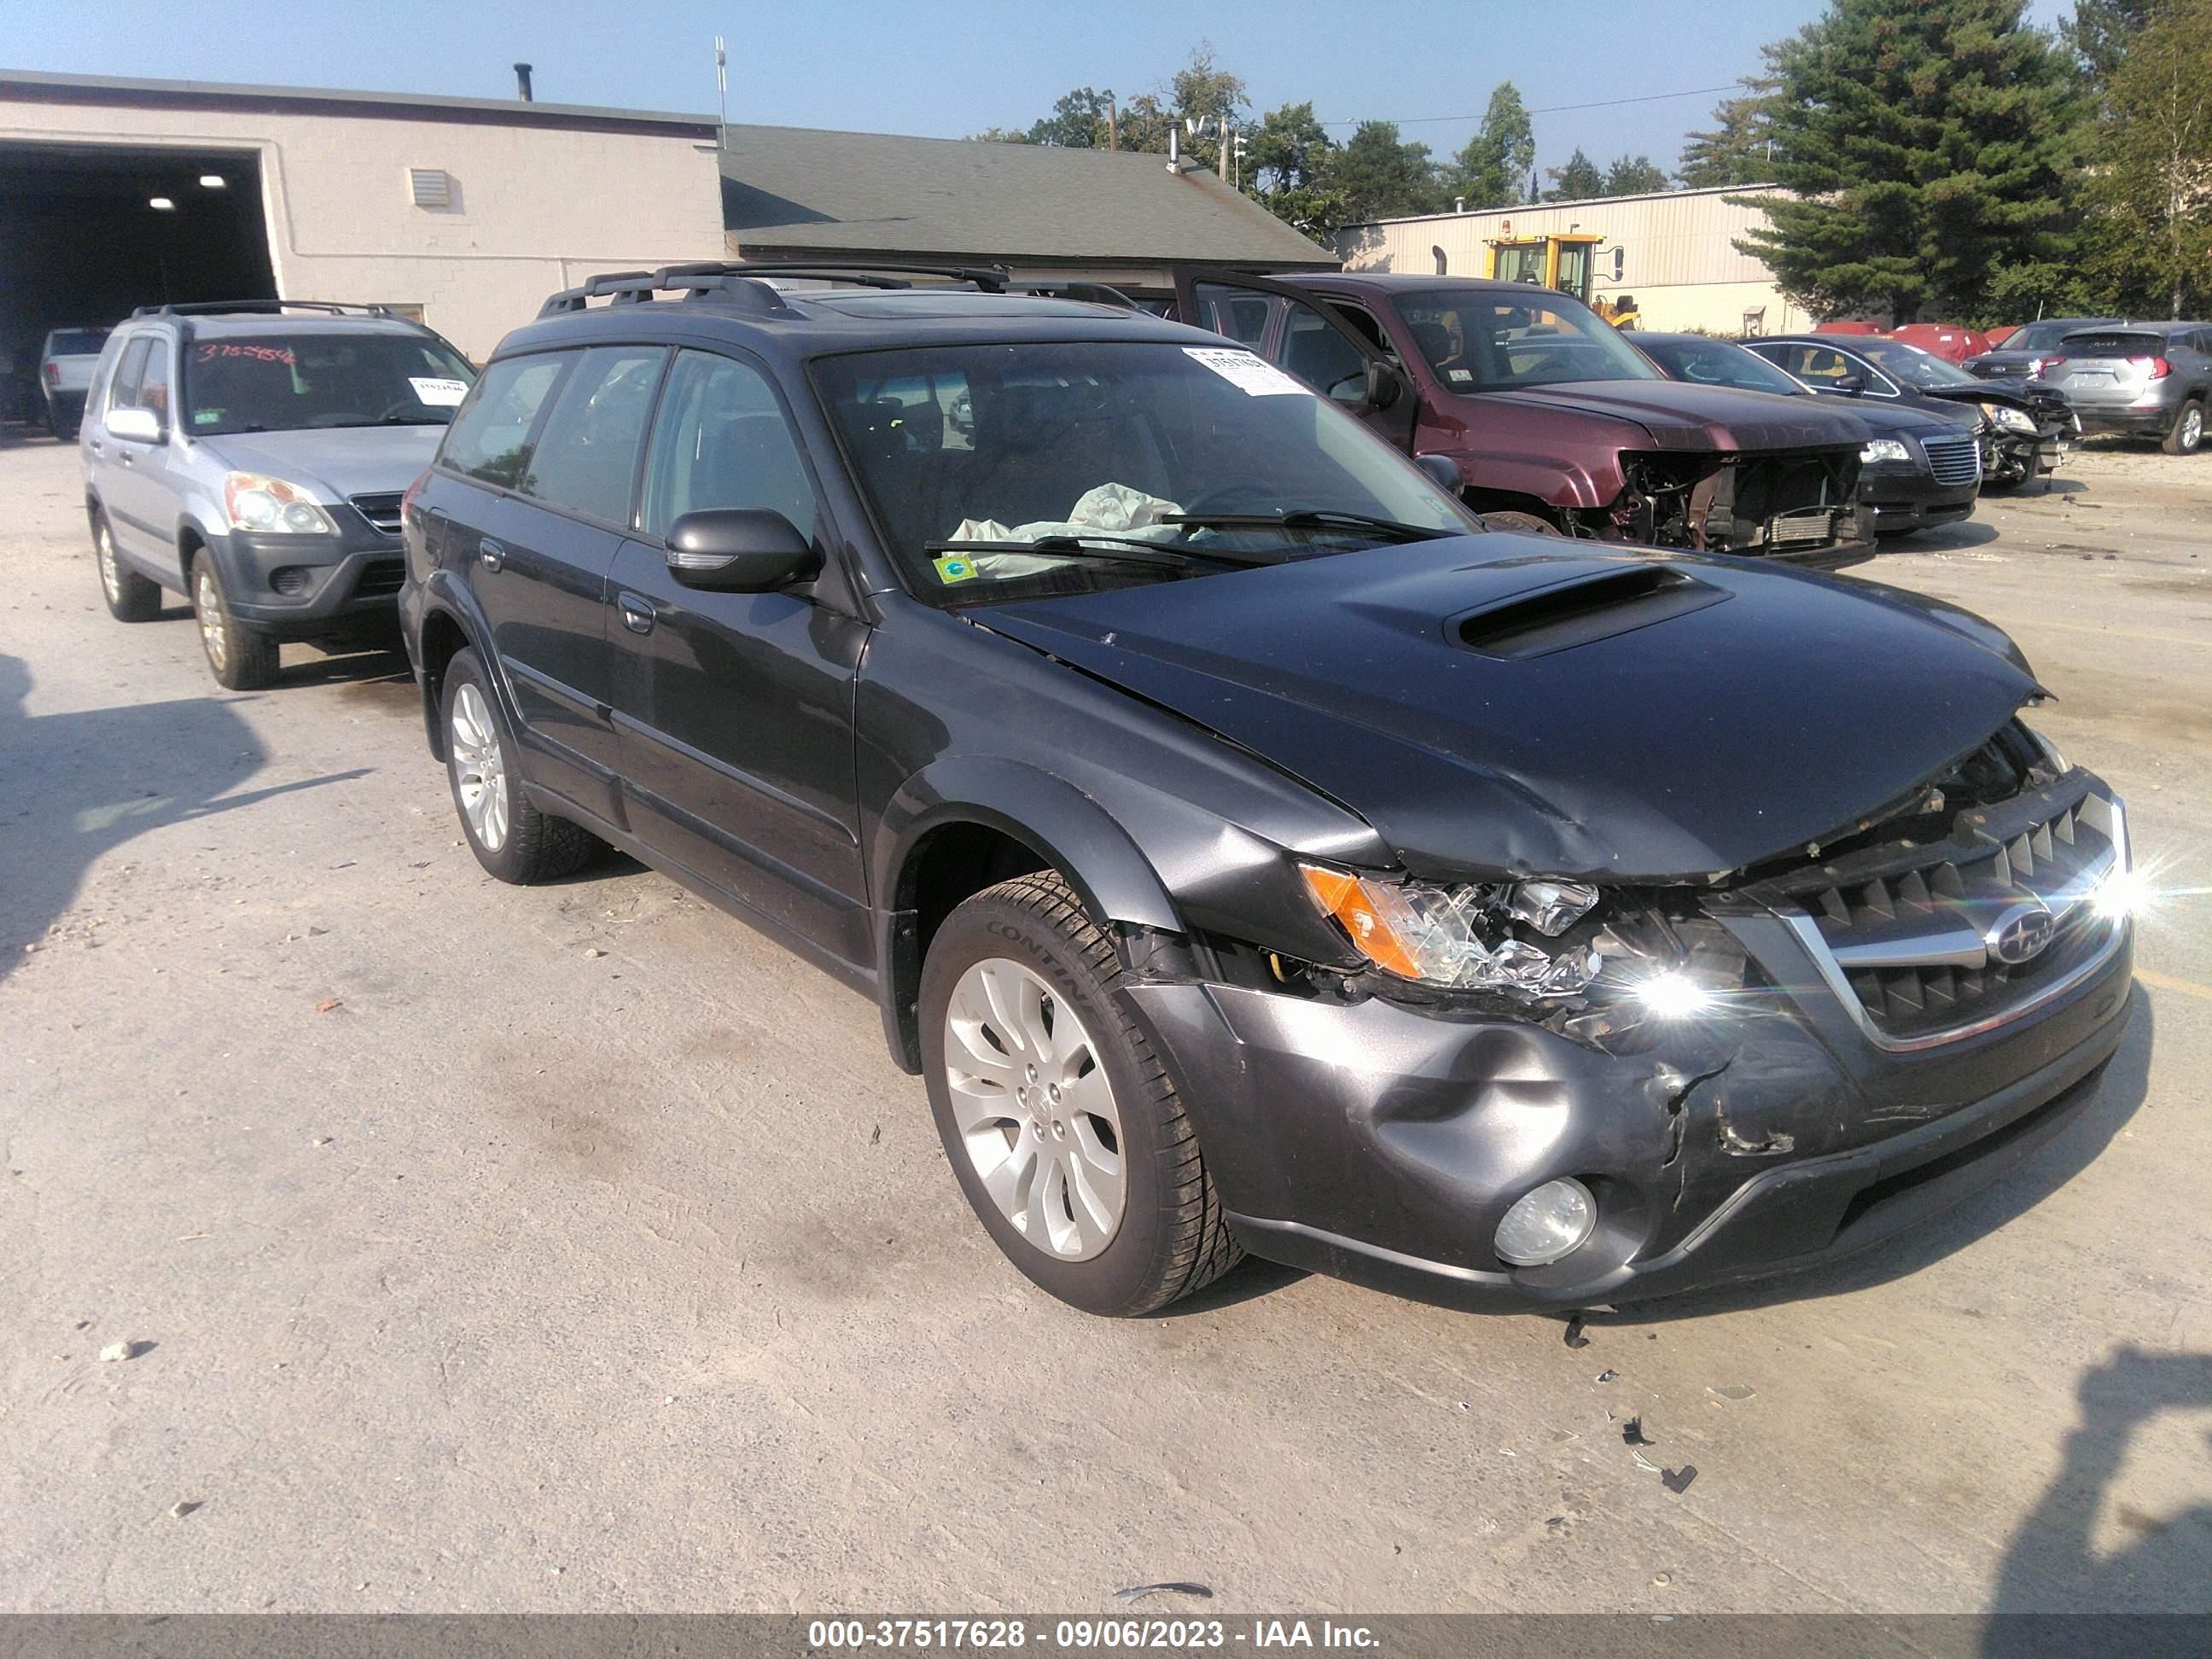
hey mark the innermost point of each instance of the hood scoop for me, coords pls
(1601, 606)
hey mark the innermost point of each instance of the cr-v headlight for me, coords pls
(256, 502)
(1457, 936)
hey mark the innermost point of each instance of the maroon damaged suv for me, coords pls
(1552, 420)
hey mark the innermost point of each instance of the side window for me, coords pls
(1238, 315)
(153, 387)
(1321, 356)
(721, 440)
(124, 393)
(1818, 367)
(1365, 326)
(489, 437)
(587, 456)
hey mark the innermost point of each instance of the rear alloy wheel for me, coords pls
(2188, 434)
(130, 597)
(511, 838)
(242, 659)
(1063, 1129)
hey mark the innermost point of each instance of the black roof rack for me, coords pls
(742, 285)
(215, 308)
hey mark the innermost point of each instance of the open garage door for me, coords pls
(83, 239)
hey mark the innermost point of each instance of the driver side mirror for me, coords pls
(140, 426)
(1849, 385)
(1383, 385)
(1442, 471)
(738, 550)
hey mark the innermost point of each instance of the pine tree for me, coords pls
(1735, 151)
(1489, 171)
(1923, 141)
(1634, 175)
(1379, 177)
(1578, 180)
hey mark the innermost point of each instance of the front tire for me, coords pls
(242, 659)
(511, 839)
(1520, 524)
(130, 597)
(1062, 1126)
(2187, 435)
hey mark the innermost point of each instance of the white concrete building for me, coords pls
(470, 211)
(1673, 252)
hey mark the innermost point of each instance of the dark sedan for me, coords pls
(2020, 426)
(1920, 469)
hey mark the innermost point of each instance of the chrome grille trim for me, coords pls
(381, 510)
(1953, 460)
(1902, 952)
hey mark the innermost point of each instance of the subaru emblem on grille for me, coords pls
(2021, 932)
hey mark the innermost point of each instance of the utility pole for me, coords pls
(1113, 122)
(721, 93)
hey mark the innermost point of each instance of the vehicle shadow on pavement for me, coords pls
(2054, 1564)
(83, 783)
(1944, 538)
(2120, 1094)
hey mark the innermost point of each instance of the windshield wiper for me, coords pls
(1299, 518)
(1110, 549)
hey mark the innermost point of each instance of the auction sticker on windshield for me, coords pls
(1255, 377)
(438, 393)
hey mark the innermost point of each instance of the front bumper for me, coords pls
(1382, 1144)
(1905, 498)
(346, 584)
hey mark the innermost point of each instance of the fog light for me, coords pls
(290, 579)
(1547, 1224)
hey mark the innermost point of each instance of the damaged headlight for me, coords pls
(1457, 936)
(2006, 418)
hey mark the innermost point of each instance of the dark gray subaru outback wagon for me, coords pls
(1250, 853)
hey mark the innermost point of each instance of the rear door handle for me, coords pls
(493, 555)
(637, 612)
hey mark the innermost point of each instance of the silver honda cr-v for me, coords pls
(252, 457)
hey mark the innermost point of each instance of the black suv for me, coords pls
(1249, 851)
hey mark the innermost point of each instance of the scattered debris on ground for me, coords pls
(1172, 1587)
(1631, 1433)
(1575, 1337)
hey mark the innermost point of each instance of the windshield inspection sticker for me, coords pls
(951, 568)
(438, 394)
(1255, 377)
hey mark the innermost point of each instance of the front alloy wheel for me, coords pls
(1034, 1109)
(242, 659)
(1067, 1134)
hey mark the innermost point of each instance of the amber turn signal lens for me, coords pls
(1344, 899)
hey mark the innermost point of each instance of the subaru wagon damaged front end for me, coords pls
(1658, 973)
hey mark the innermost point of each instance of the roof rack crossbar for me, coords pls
(215, 308)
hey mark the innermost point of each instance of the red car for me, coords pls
(1547, 419)
(1948, 340)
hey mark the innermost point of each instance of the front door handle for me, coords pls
(493, 555)
(636, 613)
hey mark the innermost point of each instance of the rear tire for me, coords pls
(1100, 1196)
(1520, 524)
(242, 659)
(2187, 435)
(130, 597)
(511, 839)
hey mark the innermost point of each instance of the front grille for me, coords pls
(380, 577)
(1954, 460)
(381, 511)
(1912, 941)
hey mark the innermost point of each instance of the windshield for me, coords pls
(1717, 362)
(75, 342)
(1133, 460)
(1912, 365)
(283, 382)
(1479, 340)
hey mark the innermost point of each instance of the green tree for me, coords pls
(1736, 151)
(1083, 119)
(1492, 168)
(1290, 156)
(1377, 176)
(2152, 186)
(2099, 31)
(1634, 175)
(1578, 180)
(1923, 141)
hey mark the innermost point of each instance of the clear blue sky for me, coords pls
(947, 69)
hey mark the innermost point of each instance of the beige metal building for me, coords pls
(470, 211)
(1673, 252)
